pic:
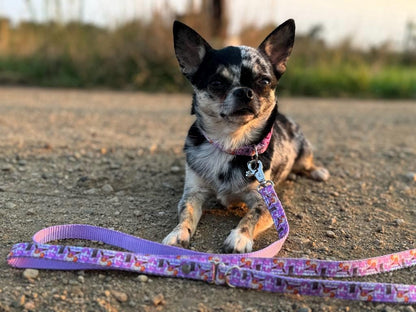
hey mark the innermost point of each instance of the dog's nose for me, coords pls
(244, 94)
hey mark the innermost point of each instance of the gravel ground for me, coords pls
(114, 159)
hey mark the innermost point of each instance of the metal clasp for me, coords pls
(255, 168)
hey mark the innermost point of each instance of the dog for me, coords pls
(236, 117)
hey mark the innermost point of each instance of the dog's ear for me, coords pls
(278, 45)
(190, 48)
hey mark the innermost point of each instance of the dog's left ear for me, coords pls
(278, 45)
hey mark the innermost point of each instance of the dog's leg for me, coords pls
(305, 165)
(189, 211)
(257, 219)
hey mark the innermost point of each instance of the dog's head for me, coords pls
(234, 85)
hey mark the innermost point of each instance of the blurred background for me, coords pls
(343, 48)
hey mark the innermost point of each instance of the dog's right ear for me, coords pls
(190, 48)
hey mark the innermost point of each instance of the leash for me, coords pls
(256, 270)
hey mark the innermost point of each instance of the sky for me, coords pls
(365, 22)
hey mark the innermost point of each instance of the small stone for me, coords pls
(91, 191)
(153, 149)
(114, 166)
(158, 300)
(120, 296)
(291, 177)
(30, 306)
(142, 278)
(114, 200)
(335, 194)
(304, 309)
(81, 279)
(398, 222)
(22, 300)
(107, 188)
(380, 229)
(410, 176)
(331, 234)
(175, 169)
(7, 168)
(30, 212)
(10, 205)
(409, 309)
(30, 274)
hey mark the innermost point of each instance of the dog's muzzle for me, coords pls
(241, 102)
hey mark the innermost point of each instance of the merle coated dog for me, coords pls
(236, 116)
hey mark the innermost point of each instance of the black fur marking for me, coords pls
(247, 77)
(193, 104)
(195, 137)
(228, 56)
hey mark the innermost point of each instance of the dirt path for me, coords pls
(115, 160)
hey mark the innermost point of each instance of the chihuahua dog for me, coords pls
(237, 118)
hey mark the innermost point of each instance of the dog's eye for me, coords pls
(264, 81)
(216, 84)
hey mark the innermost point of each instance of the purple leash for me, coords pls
(256, 270)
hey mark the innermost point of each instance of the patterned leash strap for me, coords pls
(256, 270)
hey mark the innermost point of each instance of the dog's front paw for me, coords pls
(180, 236)
(237, 242)
(320, 174)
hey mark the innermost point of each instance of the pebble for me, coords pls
(114, 200)
(304, 309)
(175, 169)
(158, 300)
(30, 212)
(323, 249)
(409, 309)
(107, 188)
(30, 274)
(114, 166)
(153, 149)
(81, 279)
(398, 222)
(410, 176)
(10, 205)
(120, 296)
(142, 278)
(335, 194)
(331, 234)
(91, 191)
(7, 167)
(380, 229)
(30, 306)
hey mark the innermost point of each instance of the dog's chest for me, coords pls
(218, 169)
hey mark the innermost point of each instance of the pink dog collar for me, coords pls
(248, 150)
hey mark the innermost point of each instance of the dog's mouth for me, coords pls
(243, 112)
